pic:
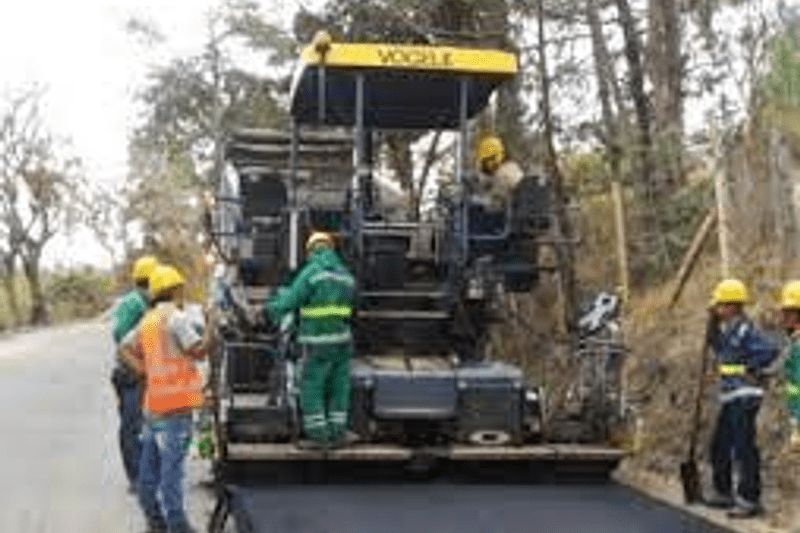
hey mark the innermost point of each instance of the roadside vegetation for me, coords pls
(72, 295)
(650, 117)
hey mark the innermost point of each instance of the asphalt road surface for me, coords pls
(60, 470)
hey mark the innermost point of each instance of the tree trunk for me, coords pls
(664, 61)
(419, 189)
(8, 282)
(566, 255)
(636, 82)
(605, 81)
(654, 246)
(401, 160)
(40, 315)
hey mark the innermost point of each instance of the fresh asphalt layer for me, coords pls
(60, 470)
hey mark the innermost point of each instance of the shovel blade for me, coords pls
(691, 481)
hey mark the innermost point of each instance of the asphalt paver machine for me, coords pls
(428, 286)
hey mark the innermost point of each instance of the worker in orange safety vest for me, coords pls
(163, 349)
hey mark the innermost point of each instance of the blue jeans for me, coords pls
(165, 442)
(735, 438)
(127, 388)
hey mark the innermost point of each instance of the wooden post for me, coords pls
(692, 254)
(722, 219)
(622, 242)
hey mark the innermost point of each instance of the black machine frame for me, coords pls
(486, 410)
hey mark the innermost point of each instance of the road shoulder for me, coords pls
(668, 491)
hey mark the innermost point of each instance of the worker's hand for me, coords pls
(286, 322)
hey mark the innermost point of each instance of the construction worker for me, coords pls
(790, 308)
(497, 175)
(741, 353)
(323, 291)
(163, 348)
(124, 318)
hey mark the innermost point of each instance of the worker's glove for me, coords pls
(286, 323)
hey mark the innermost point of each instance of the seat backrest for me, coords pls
(532, 203)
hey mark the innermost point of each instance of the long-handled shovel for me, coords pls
(689, 473)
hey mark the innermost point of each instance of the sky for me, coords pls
(92, 68)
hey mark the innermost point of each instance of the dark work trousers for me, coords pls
(735, 439)
(130, 419)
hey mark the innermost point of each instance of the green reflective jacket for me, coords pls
(791, 368)
(323, 291)
(127, 313)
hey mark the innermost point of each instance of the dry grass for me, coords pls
(663, 378)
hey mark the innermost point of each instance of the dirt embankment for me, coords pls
(663, 376)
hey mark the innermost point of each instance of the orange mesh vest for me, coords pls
(172, 380)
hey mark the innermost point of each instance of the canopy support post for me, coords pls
(294, 219)
(321, 94)
(360, 171)
(461, 157)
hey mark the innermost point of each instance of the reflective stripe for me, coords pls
(731, 370)
(792, 390)
(160, 369)
(172, 389)
(741, 392)
(325, 338)
(326, 311)
(316, 424)
(172, 381)
(346, 279)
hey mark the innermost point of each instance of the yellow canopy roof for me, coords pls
(412, 57)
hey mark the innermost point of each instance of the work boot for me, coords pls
(179, 524)
(719, 501)
(346, 438)
(745, 509)
(308, 444)
(156, 525)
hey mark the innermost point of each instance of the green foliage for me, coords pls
(192, 100)
(22, 291)
(680, 217)
(782, 83)
(586, 172)
(79, 294)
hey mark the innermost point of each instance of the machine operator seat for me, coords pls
(511, 242)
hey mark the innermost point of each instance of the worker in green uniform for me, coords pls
(124, 318)
(790, 307)
(323, 292)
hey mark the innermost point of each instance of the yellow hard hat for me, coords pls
(491, 147)
(316, 238)
(730, 291)
(790, 295)
(163, 278)
(144, 266)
